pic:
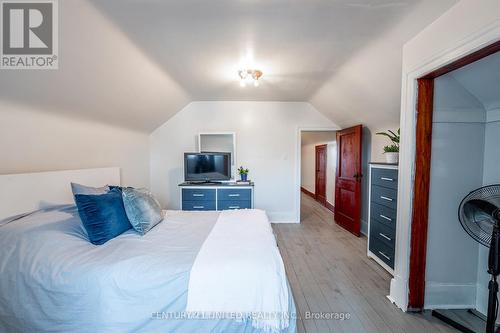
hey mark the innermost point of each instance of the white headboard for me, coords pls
(25, 192)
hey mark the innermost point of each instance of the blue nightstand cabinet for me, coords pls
(382, 214)
(216, 197)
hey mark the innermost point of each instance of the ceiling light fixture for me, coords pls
(249, 75)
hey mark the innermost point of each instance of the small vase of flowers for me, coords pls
(391, 152)
(243, 173)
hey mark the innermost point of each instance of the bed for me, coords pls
(53, 279)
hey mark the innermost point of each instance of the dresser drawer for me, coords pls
(383, 234)
(233, 204)
(198, 194)
(384, 196)
(383, 215)
(233, 194)
(198, 205)
(385, 177)
(383, 252)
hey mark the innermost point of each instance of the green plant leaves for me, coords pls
(243, 171)
(391, 149)
(394, 137)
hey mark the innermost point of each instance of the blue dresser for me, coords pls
(216, 197)
(382, 214)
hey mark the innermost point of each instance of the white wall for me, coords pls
(491, 175)
(456, 169)
(308, 167)
(308, 163)
(267, 144)
(331, 167)
(32, 140)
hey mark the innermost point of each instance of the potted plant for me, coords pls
(243, 173)
(391, 152)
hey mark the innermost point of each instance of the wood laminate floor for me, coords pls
(329, 273)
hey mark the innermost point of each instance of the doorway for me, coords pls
(321, 173)
(318, 165)
(457, 132)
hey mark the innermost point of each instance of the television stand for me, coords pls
(215, 196)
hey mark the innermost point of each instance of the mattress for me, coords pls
(53, 279)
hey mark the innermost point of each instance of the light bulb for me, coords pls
(256, 83)
(243, 74)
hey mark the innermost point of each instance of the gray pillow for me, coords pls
(143, 210)
(88, 190)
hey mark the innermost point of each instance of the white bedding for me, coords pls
(53, 280)
(239, 271)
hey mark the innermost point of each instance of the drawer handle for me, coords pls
(198, 207)
(198, 195)
(385, 217)
(385, 236)
(385, 198)
(384, 255)
(234, 207)
(234, 195)
(387, 179)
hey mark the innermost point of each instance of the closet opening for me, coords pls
(457, 137)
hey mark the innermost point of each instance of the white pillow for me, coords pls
(88, 190)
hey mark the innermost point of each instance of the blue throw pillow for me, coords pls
(103, 216)
(143, 210)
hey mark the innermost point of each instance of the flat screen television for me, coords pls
(207, 167)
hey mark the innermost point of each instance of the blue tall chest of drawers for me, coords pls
(382, 214)
(216, 197)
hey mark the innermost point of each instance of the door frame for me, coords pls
(410, 248)
(325, 147)
(298, 161)
(421, 183)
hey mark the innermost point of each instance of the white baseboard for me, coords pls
(493, 115)
(398, 292)
(450, 296)
(482, 298)
(280, 222)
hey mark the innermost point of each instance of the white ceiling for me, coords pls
(482, 79)
(136, 63)
(313, 137)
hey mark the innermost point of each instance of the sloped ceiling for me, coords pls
(482, 79)
(311, 137)
(136, 63)
(102, 76)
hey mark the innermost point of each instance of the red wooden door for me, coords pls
(348, 179)
(321, 174)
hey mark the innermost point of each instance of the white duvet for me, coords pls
(239, 272)
(52, 279)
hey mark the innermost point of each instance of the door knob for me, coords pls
(358, 176)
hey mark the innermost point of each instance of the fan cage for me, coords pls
(477, 228)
